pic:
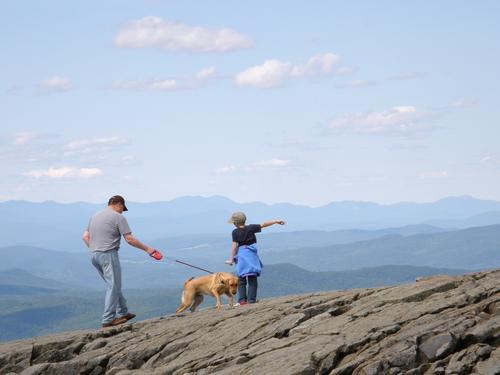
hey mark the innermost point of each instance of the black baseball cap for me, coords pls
(117, 199)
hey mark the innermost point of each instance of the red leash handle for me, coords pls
(156, 255)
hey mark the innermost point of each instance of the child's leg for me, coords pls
(252, 289)
(242, 289)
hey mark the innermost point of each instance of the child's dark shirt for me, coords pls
(246, 235)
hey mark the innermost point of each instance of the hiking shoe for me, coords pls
(115, 322)
(128, 316)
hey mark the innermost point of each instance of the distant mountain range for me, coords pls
(467, 249)
(473, 248)
(48, 284)
(59, 226)
(20, 277)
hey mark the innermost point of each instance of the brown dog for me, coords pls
(215, 285)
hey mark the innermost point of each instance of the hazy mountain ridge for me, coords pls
(58, 225)
(21, 277)
(64, 288)
(472, 249)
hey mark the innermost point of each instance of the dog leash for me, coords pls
(187, 264)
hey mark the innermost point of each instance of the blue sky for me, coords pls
(302, 102)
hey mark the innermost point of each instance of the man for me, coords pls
(102, 237)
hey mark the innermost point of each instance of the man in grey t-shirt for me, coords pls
(102, 237)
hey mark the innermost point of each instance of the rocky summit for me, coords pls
(437, 325)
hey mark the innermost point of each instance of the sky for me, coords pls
(282, 101)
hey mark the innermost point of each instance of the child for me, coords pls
(244, 255)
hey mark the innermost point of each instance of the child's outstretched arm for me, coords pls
(234, 248)
(269, 223)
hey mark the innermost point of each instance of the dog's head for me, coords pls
(227, 281)
(232, 283)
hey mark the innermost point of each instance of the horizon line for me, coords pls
(466, 196)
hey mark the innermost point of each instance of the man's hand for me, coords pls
(86, 238)
(154, 254)
(280, 222)
(229, 262)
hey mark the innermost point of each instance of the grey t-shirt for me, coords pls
(106, 228)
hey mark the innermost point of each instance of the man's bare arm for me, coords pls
(86, 238)
(132, 241)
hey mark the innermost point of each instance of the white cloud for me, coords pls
(459, 103)
(400, 119)
(13, 90)
(40, 149)
(433, 174)
(57, 83)
(165, 84)
(206, 73)
(317, 65)
(359, 83)
(129, 161)
(273, 163)
(257, 166)
(344, 70)
(273, 73)
(25, 138)
(462, 103)
(64, 172)
(86, 146)
(491, 158)
(29, 146)
(172, 36)
(226, 169)
(270, 74)
(169, 84)
(405, 76)
(153, 85)
(89, 172)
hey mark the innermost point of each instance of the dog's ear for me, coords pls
(222, 279)
(217, 279)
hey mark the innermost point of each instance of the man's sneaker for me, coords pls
(128, 316)
(241, 303)
(115, 322)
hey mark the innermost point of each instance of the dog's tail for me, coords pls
(188, 280)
